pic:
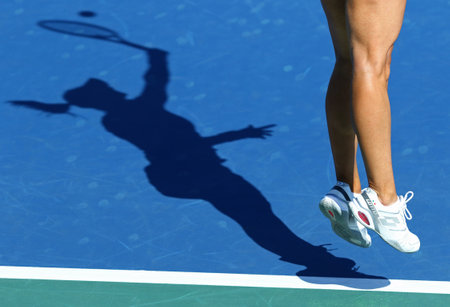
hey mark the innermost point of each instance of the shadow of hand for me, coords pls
(257, 133)
(47, 108)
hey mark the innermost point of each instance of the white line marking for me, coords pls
(218, 279)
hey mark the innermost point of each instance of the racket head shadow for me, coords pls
(77, 28)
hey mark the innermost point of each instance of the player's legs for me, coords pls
(338, 101)
(373, 27)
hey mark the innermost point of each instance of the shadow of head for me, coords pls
(95, 94)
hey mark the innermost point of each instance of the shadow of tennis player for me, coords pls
(185, 164)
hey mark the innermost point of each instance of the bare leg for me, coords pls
(338, 102)
(373, 27)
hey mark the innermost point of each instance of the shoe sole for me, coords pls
(364, 217)
(334, 213)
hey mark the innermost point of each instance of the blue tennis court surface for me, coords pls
(117, 158)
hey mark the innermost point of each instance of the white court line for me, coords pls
(217, 279)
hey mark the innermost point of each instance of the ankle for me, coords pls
(387, 194)
(386, 198)
(356, 189)
(388, 201)
(354, 186)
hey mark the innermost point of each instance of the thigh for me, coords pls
(374, 25)
(336, 17)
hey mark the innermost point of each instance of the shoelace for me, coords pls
(404, 199)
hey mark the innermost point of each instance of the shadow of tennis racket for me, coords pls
(87, 30)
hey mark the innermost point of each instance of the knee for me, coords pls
(372, 63)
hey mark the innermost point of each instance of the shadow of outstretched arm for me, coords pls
(156, 77)
(246, 133)
(48, 108)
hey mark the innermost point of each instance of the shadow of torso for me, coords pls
(183, 163)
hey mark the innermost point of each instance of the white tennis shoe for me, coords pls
(388, 221)
(334, 205)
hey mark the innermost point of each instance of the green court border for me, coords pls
(26, 292)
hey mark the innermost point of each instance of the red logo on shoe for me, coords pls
(363, 217)
(331, 213)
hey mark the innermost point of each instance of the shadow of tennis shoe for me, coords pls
(353, 279)
(341, 271)
(322, 267)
